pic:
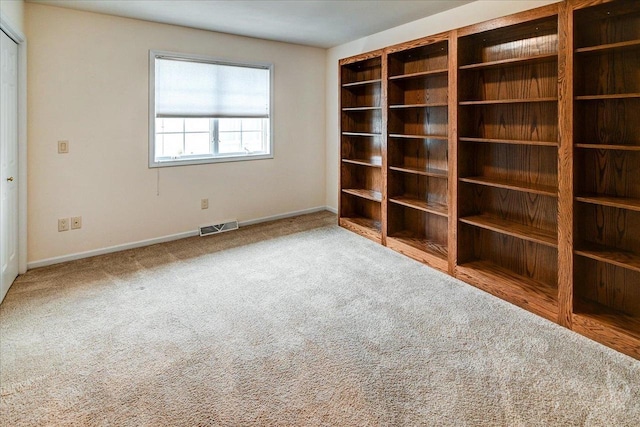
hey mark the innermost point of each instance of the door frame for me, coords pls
(21, 40)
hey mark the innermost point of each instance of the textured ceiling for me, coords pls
(321, 23)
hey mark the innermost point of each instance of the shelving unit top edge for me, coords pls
(360, 57)
(423, 41)
(507, 21)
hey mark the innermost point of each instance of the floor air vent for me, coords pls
(207, 230)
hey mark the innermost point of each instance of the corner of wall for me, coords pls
(13, 12)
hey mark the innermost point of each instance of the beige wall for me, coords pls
(472, 13)
(13, 11)
(88, 84)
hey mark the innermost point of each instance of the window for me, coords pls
(204, 110)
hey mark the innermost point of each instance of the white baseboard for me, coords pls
(332, 209)
(281, 216)
(149, 242)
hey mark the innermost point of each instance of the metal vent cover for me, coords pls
(206, 230)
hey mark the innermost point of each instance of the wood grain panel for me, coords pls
(453, 152)
(364, 215)
(362, 226)
(526, 81)
(419, 235)
(608, 122)
(612, 227)
(368, 95)
(609, 255)
(421, 250)
(417, 91)
(526, 122)
(530, 294)
(607, 326)
(361, 68)
(428, 189)
(418, 59)
(361, 148)
(608, 172)
(531, 210)
(419, 154)
(613, 72)
(535, 165)
(385, 161)
(607, 23)
(423, 41)
(612, 329)
(360, 177)
(527, 187)
(565, 166)
(409, 223)
(524, 258)
(537, 37)
(612, 286)
(517, 21)
(419, 121)
(368, 121)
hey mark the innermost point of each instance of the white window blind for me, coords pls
(210, 90)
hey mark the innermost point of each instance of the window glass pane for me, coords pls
(197, 143)
(196, 125)
(171, 144)
(169, 125)
(226, 125)
(230, 142)
(252, 141)
(251, 124)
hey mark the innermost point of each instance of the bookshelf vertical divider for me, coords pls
(453, 152)
(565, 168)
(506, 154)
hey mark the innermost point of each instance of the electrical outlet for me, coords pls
(76, 222)
(204, 204)
(63, 147)
(63, 224)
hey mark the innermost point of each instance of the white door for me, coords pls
(8, 162)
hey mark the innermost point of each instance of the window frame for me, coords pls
(200, 159)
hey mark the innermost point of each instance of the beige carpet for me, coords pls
(291, 323)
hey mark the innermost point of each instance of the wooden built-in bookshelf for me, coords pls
(606, 137)
(362, 145)
(507, 154)
(418, 149)
(508, 159)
